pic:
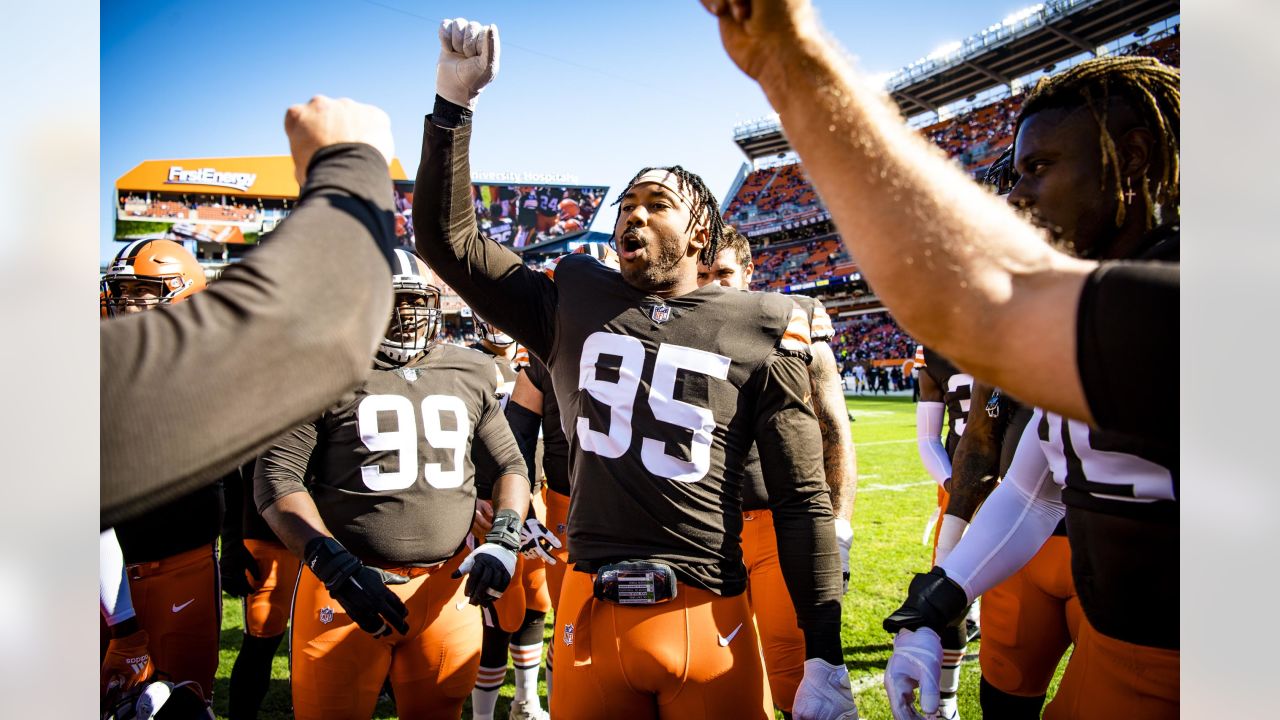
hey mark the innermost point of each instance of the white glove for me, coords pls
(916, 662)
(844, 538)
(948, 537)
(824, 693)
(536, 541)
(468, 60)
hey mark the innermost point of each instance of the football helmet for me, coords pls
(415, 316)
(492, 334)
(1001, 174)
(161, 700)
(164, 264)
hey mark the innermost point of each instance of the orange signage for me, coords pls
(266, 177)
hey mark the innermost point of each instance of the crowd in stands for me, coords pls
(779, 266)
(874, 336)
(205, 209)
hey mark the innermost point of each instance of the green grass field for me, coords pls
(895, 499)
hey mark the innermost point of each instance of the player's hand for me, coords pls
(916, 662)
(468, 61)
(237, 568)
(536, 541)
(324, 121)
(758, 33)
(824, 693)
(126, 665)
(361, 590)
(844, 539)
(482, 522)
(489, 567)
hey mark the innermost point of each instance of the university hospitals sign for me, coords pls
(210, 176)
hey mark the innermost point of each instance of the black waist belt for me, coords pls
(635, 583)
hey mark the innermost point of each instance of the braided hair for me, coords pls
(704, 205)
(1151, 88)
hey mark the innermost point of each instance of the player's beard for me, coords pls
(657, 272)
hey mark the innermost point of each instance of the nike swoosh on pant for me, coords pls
(725, 640)
(180, 608)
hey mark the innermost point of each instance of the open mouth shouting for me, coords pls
(630, 246)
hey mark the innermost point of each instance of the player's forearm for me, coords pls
(511, 492)
(973, 476)
(489, 277)
(913, 220)
(296, 520)
(267, 346)
(838, 456)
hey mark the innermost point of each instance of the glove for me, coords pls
(916, 662)
(536, 541)
(236, 565)
(468, 60)
(127, 664)
(360, 590)
(844, 539)
(824, 693)
(933, 600)
(489, 567)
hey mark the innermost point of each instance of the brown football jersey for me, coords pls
(393, 475)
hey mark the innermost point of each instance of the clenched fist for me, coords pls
(325, 121)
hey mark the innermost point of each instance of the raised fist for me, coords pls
(468, 61)
(325, 121)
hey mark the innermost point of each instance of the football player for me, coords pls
(257, 568)
(780, 637)
(944, 390)
(377, 496)
(533, 412)
(663, 387)
(516, 624)
(169, 554)
(1110, 124)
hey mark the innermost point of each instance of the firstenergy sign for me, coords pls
(210, 176)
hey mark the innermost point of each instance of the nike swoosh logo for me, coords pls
(724, 641)
(180, 608)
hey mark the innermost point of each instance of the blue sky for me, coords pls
(596, 90)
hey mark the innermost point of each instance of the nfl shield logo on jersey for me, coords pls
(660, 313)
(326, 615)
(568, 633)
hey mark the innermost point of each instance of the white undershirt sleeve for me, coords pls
(1012, 525)
(113, 585)
(929, 440)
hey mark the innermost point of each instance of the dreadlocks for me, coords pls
(1151, 88)
(704, 205)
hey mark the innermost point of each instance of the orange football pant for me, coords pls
(557, 521)
(780, 635)
(178, 602)
(693, 657)
(1029, 621)
(266, 609)
(1110, 678)
(338, 669)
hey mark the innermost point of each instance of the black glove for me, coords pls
(933, 600)
(233, 562)
(360, 589)
(489, 567)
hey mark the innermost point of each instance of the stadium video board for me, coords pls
(522, 214)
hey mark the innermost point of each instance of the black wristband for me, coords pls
(933, 600)
(447, 115)
(506, 530)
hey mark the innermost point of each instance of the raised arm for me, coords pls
(912, 219)
(488, 276)
(268, 345)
